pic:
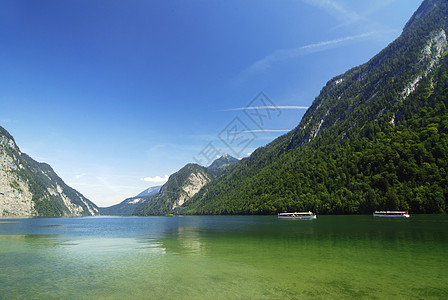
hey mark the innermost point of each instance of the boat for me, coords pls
(391, 214)
(297, 215)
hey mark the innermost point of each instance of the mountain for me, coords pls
(127, 206)
(182, 186)
(150, 191)
(29, 188)
(222, 163)
(376, 137)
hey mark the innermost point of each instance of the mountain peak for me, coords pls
(223, 162)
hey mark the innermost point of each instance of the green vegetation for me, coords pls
(363, 145)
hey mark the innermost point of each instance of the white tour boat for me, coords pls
(297, 215)
(391, 214)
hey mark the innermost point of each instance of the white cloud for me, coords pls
(156, 179)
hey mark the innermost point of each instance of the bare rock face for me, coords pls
(430, 58)
(29, 188)
(192, 185)
(15, 195)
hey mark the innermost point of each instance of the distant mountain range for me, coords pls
(29, 188)
(376, 137)
(127, 206)
(149, 191)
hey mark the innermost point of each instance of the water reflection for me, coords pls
(50, 225)
(185, 241)
(223, 257)
(30, 241)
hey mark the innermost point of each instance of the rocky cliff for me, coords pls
(29, 188)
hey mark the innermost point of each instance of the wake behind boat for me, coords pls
(297, 215)
(391, 214)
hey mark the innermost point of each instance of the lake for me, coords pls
(224, 257)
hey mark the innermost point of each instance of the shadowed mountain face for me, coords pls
(29, 188)
(376, 137)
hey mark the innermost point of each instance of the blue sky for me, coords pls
(117, 94)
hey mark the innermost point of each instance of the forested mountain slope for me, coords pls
(376, 137)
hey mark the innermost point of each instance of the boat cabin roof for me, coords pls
(390, 212)
(297, 213)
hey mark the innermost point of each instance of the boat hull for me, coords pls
(299, 218)
(391, 215)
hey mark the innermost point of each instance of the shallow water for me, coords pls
(224, 258)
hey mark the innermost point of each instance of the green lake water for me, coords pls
(238, 257)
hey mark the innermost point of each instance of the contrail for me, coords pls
(267, 107)
(265, 130)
